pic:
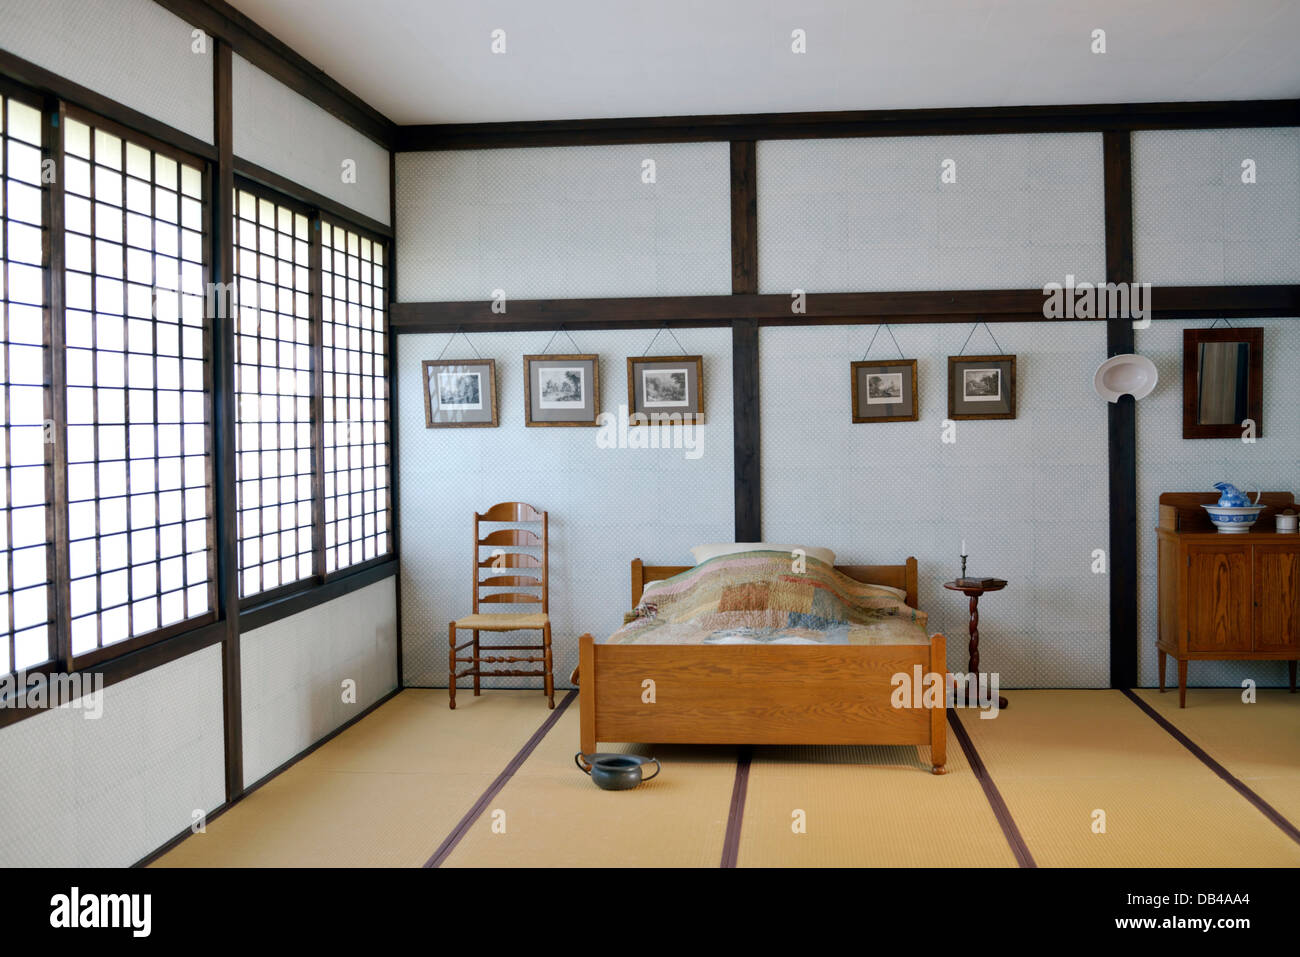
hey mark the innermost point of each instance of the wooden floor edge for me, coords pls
(1238, 785)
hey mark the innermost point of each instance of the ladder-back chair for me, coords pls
(510, 549)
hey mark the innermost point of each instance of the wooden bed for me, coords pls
(759, 694)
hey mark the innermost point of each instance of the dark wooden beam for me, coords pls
(394, 490)
(259, 47)
(1121, 424)
(129, 665)
(267, 613)
(995, 305)
(54, 258)
(43, 81)
(746, 426)
(222, 258)
(260, 175)
(780, 126)
(744, 344)
(744, 218)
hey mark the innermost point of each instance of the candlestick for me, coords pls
(963, 566)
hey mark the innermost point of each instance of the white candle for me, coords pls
(963, 548)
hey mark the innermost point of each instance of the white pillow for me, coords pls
(703, 553)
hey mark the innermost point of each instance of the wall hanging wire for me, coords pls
(873, 342)
(460, 331)
(658, 332)
(979, 323)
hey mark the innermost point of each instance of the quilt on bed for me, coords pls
(763, 597)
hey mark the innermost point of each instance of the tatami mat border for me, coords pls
(1238, 785)
(1000, 810)
(502, 779)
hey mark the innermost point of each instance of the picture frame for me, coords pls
(671, 386)
(460, 393)
(562, 390)
(981, 387)
(885, 391)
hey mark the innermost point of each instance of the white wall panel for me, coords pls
(1029, 494)
(564, 222)
(293, 669)
(132, 51)
(847, 215)
(288, 134)
(78, 792)
(607, 506)
(1166, 462)
(1196, 223)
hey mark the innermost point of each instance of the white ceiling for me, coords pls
(429, 61)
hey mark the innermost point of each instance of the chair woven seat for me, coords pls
(504, 622)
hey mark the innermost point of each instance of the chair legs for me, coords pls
(476, 671)
(546, 654)
(477, 690)
(451, 666)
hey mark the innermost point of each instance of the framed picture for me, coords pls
(562, 390)
(460, 393)
(981, 387)
(665, 389)
(884, 391)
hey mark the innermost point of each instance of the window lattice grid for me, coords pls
(354, 362)
(273, 383)
(25, 549)
(138, 444)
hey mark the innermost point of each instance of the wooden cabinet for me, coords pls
(1225, 596)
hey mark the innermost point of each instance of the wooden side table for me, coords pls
(973, 665)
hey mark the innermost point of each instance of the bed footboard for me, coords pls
(763, 694)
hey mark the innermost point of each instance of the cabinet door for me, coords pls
(1219, 598)
(1277, 598)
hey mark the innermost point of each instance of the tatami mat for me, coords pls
(390, 790)
(384, 793)
(555, 817)
(1058, 756)
(867, 807)
(1257, 743)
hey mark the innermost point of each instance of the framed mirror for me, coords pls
(1223, 383)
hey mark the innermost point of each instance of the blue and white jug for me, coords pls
(1231, 496)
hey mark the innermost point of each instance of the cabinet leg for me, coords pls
(1162, 657)
(1182, 682)
(1290, 665)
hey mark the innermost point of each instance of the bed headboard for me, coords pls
(895, 576)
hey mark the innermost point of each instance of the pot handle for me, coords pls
(577, 759)
(658, 768)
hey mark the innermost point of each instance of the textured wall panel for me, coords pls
(1169, 463)
(564, 222)
(106, 792)
(607, 506)
(290, 135)
(132, 51)
(847, 215)
(1196, 223)
(1027, 494)
(292, 673)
